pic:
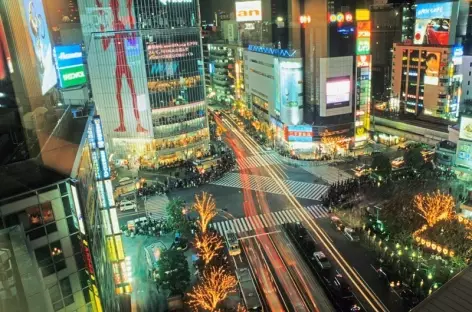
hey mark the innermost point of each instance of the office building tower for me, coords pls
(386, 30)
(146, 72)
(57, 216)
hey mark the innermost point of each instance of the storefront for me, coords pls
(387, 139)
(278, 129)
(299, 138)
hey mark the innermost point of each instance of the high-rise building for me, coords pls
(57, 223)
(386, 30)
(146, 71)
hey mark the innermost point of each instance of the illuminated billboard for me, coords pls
(338, 92)
(363, 38)
(465, 131)
(291, 92)
(70, 66)
(464, 154)
(362, 15)
(432, 25)
(5, 55)
(173, 68)
(39, 36)
(248, 11)
(300, 133)
(432, 61)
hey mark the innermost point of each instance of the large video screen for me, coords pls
(338, 92)
(248, 11)
(432, 25)
(174, 69)
(39, 36)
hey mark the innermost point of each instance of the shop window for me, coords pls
(66, 288)
(56, 251)
(63, 188)
(56, 298)
(66, 205)
(60, 266)
(71, 225)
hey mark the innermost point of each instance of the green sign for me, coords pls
(72, 76)
(363, 46)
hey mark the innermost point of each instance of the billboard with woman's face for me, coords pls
(39, 36)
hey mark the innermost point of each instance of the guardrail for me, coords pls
(307, 163)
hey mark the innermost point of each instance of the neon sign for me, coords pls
(272, 51)
(340, 17)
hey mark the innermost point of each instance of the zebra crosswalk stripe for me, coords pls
(291, 215)
(264, 222)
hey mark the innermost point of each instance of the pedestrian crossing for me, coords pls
(267, 184)
(329, 174)
(155, 206)
(263, 221)
(268, 159)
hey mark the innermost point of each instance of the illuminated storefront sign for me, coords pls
(363, 60)
(362, 15)
(340, 17)
(299, 133)
(77, 210)
(272, 51)
(464, 154)
(99, 133)
(166, 51)
(248, 11)
(169, 85)
(70, 66)
(457, 53)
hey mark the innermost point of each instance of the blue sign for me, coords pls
(301, 128)
(434, 10)
(68, 56)
(99, 133)
(272, 51)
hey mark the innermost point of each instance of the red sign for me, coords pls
(363, 60)
(87, 259)
(363, 29)
(286, 133)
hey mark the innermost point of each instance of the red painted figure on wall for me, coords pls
(122, 68)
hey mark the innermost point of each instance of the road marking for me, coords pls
(266, 184)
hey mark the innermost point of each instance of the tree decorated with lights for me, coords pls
(214, 288)
(434, 207)
(208, 245)
(205, 206)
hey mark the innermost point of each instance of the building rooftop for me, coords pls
(55, 163)
(454, 296)
(24, 176)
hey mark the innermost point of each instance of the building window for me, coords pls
(470, 73)
(467, 92)
(470, 64)
(468, 83)
(50, 258)
(66, 288)
(66, 205)
(56, 297)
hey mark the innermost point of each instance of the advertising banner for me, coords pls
(291, 92)
(70, 66)
(39, 35)
(432, 61)
(432, 25)
(248, 11)
(174, 69)
(465, 131)
(338, 92)
(6, 56)
(119, 84)
(300, 133)
(464, 154)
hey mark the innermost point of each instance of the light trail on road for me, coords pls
(356, 280)
(293, 285)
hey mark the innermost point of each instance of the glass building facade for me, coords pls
(146, 71)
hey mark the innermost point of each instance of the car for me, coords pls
(398, 162)
(351, 234)
(337, 223)
(321, 260)
(126, 205)
(437, 32)
(341, 287)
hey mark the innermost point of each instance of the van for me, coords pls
(126, 205)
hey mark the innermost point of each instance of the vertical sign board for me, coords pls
(363, 76)
(107, 204)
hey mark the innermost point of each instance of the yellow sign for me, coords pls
(362, 15)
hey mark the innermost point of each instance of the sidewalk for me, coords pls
(145, 296)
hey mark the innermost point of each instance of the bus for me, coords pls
(233, 243)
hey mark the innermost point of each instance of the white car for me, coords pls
(321, 260)
(351, 234)
(126, 205)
